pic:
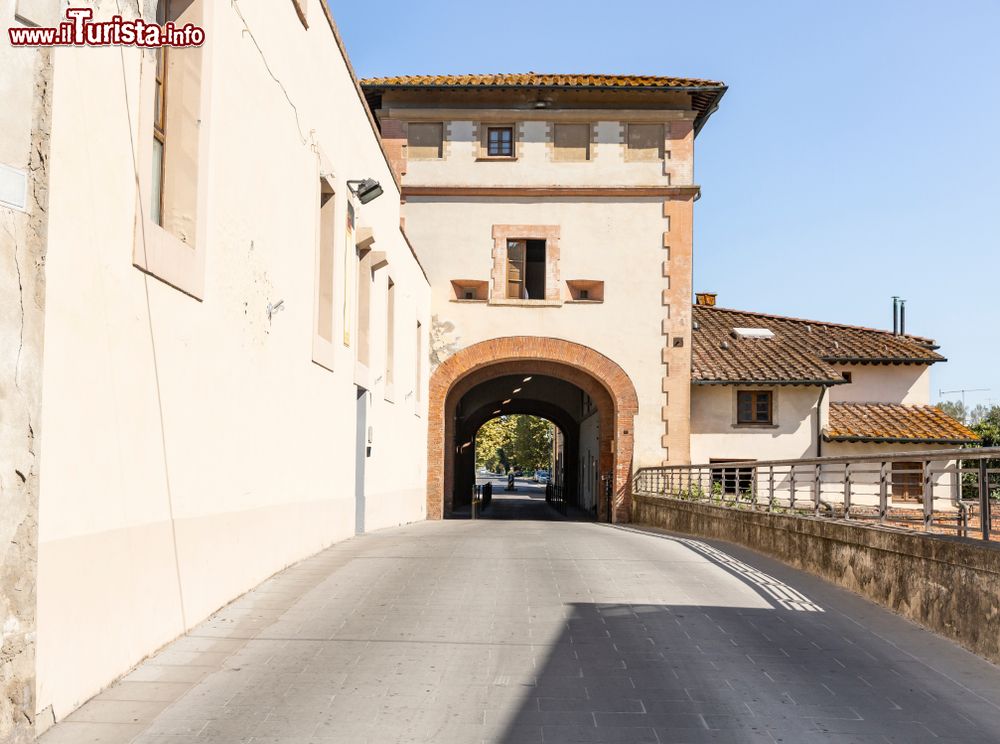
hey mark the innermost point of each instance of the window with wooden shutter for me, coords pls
(516, 254)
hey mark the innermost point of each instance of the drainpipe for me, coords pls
(819, 423)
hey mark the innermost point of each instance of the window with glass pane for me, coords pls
(753, 407)
(500, 141)
(159, 128)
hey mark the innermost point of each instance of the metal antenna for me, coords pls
(963, 391)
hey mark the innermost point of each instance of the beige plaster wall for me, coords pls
(715, 435)
(616, 240)
(886, 383)
(194, 448)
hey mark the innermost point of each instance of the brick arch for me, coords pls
(602, 379)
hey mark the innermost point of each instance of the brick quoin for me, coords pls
(602, 379)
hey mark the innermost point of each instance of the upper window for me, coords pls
(571, 142)
(848, 377)
(324, 283)
(176, 124)
(425, 140)
(390, 334)
(754, 407)
(526, 269)
(159, 124)
(644, 142)
(500, 142)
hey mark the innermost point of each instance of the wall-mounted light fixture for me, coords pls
(366, 189)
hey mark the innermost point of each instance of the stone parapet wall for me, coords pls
(950, 585)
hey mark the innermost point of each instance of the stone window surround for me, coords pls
(550, 140)
(445, 141)
(324, 350)
(480, 131)
(498, 275)
(155, 250)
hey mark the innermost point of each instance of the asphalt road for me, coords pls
(529, 631)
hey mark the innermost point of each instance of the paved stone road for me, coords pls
(523, 632)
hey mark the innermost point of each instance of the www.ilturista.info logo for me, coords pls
(82, 30)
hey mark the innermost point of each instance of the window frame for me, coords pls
(482, 133)
(177, 259)
(722, 473)
(498, 276)
(907, 476)
(327, 231)
(501, 143)
(755, 397)
(389, 371)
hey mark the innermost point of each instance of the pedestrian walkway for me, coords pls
(523, 632)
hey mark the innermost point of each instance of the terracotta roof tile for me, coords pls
(894, 422)
(537, 80)
(800, 352)
(705, 94)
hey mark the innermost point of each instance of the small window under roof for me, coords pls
(753, 333)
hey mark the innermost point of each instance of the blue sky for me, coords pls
(855, 156)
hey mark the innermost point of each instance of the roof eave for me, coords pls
(826, 383)
(881, 360)
(896, 440)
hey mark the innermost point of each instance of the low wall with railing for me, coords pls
(946, 582)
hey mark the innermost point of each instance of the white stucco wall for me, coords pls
(715, 435)
(884, 383)
(193, 448)
(616, 240)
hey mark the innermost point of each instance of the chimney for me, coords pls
(705, 299)
(902, 317)
(895, 315)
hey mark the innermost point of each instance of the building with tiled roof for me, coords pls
(705, 94)
(774, 387)
(553, 214)
(894, 423)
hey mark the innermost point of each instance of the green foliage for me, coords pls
(987, 428)
(517, 441)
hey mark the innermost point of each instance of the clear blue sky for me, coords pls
(855, 156)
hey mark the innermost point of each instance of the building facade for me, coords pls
(233, 374)
(767, 387)
(252, 307)
(554, 216)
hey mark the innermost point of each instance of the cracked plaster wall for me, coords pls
(24, 128)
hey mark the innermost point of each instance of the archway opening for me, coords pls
(521, 459)
(586, 395)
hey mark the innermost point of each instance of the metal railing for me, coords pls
(555, 497)
(955, 491)
(482, 497)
